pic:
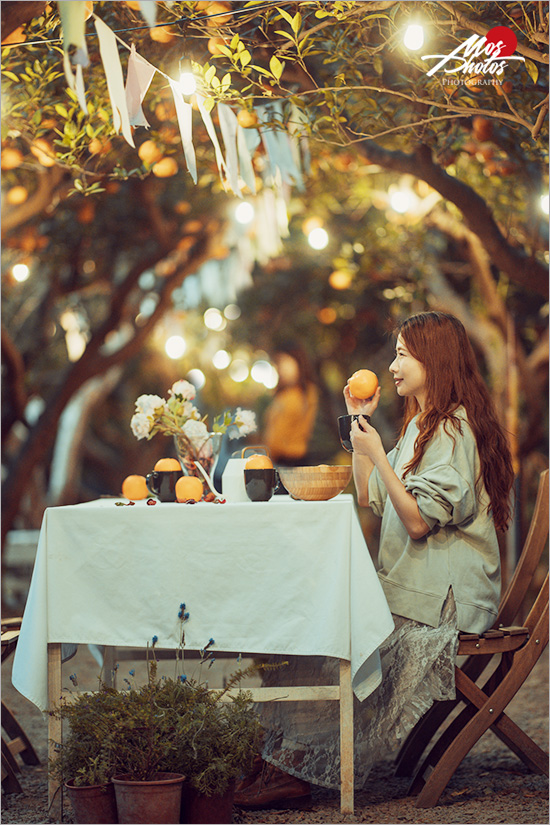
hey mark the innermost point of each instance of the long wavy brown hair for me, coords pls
(439, 341)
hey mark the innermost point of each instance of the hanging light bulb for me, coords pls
(414, 37)
(188, 84)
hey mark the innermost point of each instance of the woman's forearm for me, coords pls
(362, 468)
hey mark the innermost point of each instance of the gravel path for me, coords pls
(491, 785)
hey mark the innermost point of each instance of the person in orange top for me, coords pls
(290, 418)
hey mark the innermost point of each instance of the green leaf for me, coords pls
(260, 70)
(532, 69)
(296, 22)
(245, 58)
(284, 14)
(285, 34)
(210, 74)
(234, 41)
(224, 50)
(79, 185)
(226, 80)
(10, 75)
(209, 103)
(276, 67)
(61, 110)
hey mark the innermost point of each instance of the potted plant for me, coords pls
(85, 761)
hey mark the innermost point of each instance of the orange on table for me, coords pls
(167, 464)
(363, 384)
(189, 487)
(134, 488)
(258, 462)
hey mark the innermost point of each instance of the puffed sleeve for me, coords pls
(443, 495)
(444, 483)
(377, 489)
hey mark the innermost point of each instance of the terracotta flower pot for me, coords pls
(93, 803)
(197, 808)
(154, 801)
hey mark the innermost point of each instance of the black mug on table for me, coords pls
(261, 484)
(162, 484)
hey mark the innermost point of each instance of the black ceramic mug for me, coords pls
(261, 484)
(162, 484)
(344, 429)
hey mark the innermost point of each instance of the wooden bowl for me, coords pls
(315, 483)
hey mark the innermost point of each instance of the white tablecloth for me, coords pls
(284, 576)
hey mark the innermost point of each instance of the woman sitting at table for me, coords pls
(442, 493)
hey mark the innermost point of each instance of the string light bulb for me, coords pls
(414, 37)
(187, 82)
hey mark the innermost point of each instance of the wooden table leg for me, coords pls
(55, 729)
(346, 739)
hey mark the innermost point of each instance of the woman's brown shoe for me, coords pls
(274, 788)
(257, 766)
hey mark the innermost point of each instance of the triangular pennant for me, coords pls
(184, 112)
(115, 81)
(245, 157)
(73, 24)
(138, 79)
(207, 120)
(148, 9)
(75, 81)
(228, 126)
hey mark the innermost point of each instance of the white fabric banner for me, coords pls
(184, 112)
(228, 126)
(138, 79)
(115, 82)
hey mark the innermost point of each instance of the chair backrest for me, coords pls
(518, 586)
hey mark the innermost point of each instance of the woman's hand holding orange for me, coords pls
(358, 406)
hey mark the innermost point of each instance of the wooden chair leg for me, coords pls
(9, 758)
(10, 782)
(19, 739)
(486, 715)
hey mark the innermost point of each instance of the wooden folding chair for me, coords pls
(16, 741)
(518, 649)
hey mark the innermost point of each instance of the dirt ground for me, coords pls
(491, 785)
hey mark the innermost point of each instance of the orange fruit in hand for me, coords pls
(166, 464)
(134, 488)
(259, 462)
(189, 487)
(363, 384)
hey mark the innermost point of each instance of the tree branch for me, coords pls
(520, 268)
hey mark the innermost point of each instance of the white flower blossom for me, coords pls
(183, 388)
(141, 425)
(147, 404)
(245, 421)
(196, 432)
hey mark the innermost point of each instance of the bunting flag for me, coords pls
(282, 147)
(148, 9)
(184, 112)
(247, 142)
(207, 120)
(277, 144)
(75, 81)
(228, 126)
(138, 79)
(115, 82)
(73, 24)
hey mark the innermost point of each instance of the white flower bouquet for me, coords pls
(178, 417)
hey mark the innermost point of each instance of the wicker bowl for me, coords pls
(315, 483)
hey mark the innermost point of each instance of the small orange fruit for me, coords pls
(189, 487)
(134, 488)
(247, 119)
(44, 152)
(167, 464)
(165, 168)
(11, 158)
(162, 34)
(258, 462)
(149, 152)
(363, 384)
(17, 195)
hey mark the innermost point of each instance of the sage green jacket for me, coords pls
(459, 551)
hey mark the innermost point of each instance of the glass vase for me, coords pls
(205, 454)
